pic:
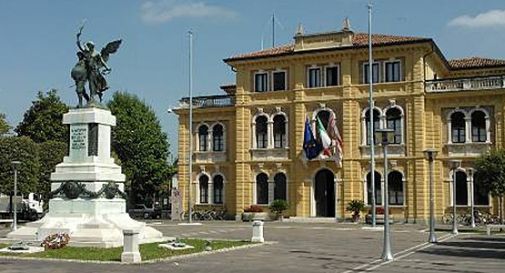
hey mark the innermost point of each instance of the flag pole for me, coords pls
(190, 155)
(371, 114)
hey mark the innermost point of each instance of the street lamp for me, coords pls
(471, 172)
(430, 155)
(455, 164)
(190, 154)
(15, 165)
(386, 136)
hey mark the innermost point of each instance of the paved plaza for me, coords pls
(309, 247)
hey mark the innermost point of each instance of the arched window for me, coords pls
(261, 132)
(461, 189)
(262, 188)
(376, 124)
(479, 133)
(480, 195)
(395, 188)
(218, 189)
(458, 127)
(377, 182)
(204, 189)
(217, 138)
(280, 186)
(279, 131)
(203, 134)
(394, 121)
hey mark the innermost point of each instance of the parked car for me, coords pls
(142, 211)
(30, 209)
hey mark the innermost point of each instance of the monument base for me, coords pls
(105, 230)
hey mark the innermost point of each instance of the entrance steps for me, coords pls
(310, 220)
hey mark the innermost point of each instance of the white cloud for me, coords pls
(156, 12)
(492, 18)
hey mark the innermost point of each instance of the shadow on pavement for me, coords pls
(474, 247)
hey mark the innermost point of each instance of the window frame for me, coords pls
(337, 66)
(267, 84)
(220, 140)
(278, 71)
(265, 135)
(264, 191)
(365, 71)
(206, 139)
(400, 74)
(461, 132)
(482, 132)
(314, 67)
(284, 137)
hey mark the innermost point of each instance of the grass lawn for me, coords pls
(147, 251)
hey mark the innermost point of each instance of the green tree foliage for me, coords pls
(4, 125)
(50, 153)
(20, 149)
(141, 146)
(490, 175)
(43, 120)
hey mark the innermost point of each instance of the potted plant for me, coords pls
(254, 212)
(277, 207)
(356, 207)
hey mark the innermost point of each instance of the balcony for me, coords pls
(208, 101)
(463, 84)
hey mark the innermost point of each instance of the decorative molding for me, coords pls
(73, 190)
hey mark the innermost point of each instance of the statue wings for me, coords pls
(110, 48)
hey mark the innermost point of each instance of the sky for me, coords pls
(38, 40)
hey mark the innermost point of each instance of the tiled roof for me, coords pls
(359, 40)
(475, 62)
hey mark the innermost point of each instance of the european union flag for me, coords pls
(310, 145)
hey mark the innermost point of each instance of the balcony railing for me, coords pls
(477, 83)
(208, 101)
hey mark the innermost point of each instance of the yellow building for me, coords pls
(248, 142)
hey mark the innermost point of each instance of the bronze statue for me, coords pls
(91, 67)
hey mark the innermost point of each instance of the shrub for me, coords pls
(253, 208)
(278, 206)
(355, 206)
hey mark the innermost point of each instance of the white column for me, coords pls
(468, 129)
(271, 186)
(253, 130)
(254, 193)
(488, 129)
(211, 192)
(449, 131)
(270, 134)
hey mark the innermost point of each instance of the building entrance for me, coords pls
(324, 193)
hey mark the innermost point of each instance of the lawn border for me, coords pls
(171, 258)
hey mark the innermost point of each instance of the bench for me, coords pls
(489, 227)
(6, 221)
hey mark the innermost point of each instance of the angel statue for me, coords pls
(91, 67)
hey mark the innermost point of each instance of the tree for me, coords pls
(50, 153)
(43, 120)
(21, 149)
(4, 125)
(141, 146)
(490, 175)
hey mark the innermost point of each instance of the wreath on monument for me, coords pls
(56, 241)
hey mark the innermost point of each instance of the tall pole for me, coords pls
(472, 198)
(273, 29)
(386, 252)
(432, 238)
(190, 151)
(15, 165)
(371, 114)
(455, 166)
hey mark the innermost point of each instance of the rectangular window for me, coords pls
(279, 79)
(393, 73)
(332, 76)
(375, 72)
(314, 77)
(261, 82)
(262, 140)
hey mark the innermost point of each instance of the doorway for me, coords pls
(324, 193)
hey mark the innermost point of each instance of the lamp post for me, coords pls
(386, 135)
(455, 164)
(15, 165)
(190, 150)
(472, 196)
(430, 156)
(371, 115)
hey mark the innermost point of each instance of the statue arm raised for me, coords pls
(79, 39)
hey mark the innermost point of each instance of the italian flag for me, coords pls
(325, 138)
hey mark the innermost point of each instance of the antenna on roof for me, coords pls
(273, 21)
(346, 26)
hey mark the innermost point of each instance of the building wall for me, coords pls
(424, 120)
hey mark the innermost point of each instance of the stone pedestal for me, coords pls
(88, 189)
(131, 252)
(257, 232)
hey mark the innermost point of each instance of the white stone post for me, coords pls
(257, 232)
(131, 252)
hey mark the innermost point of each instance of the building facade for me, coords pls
(248, 142)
